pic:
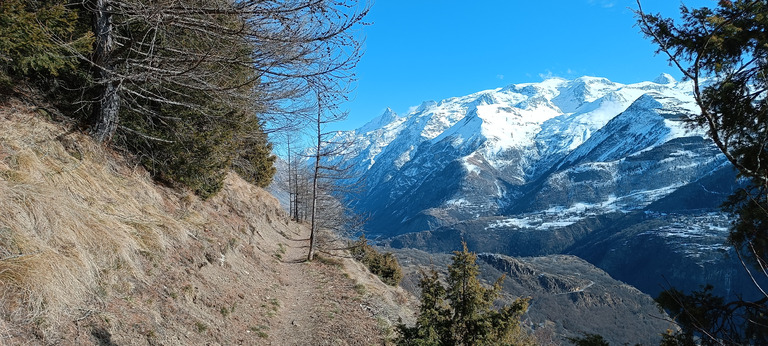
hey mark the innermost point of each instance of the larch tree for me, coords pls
(327, 209)
(192, 88)
(140, 55)
(724, 52)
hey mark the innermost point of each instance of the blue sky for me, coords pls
(417, 50)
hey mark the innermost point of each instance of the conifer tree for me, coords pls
(462, 313)
(383, 265)
(724, 52)
(37, 38)
(190, 87)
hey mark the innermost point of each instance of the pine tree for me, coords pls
(36, 38)
(468, 317)
(723, 51)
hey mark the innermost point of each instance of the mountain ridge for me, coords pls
(584, 167)
(516, 134)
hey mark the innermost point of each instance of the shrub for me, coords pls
(385, 265)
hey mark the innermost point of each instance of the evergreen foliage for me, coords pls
(383, 265)
(37, 37)
(200, 151)
(724, 52)
(197, 147)
(185, 85)
(462, 313)
(192, 129)
(190, 94)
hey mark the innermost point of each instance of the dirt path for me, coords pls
(294, 323)
(318, 305)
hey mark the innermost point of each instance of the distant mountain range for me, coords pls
(559, 145)
(606, 171)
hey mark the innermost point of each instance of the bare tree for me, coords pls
(292, 209)
(315, 177)
(169, 51)
(327, 112)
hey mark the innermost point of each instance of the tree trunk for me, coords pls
(313, 230)
(290, 182)
(106, 108)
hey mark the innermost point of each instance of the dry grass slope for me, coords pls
(93, 252)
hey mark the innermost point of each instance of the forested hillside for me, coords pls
(189, 88)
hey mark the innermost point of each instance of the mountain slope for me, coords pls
(568, 296)
(490, 152)
(587, 167)
(93, 252)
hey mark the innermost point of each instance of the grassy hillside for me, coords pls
(92, 251)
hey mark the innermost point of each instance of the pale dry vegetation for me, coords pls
(75, 221)
(92, 251)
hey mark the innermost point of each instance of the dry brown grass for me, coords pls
(76, 220)
(93, 252)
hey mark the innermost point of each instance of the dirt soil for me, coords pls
(238, 297)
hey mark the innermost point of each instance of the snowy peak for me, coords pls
(582, 90)
(646, 102)
(634, 129)
(425, 106)
(665, 78)
(481, 154)
(542, 121)
(389, 116)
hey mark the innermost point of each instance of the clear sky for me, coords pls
(418, 50)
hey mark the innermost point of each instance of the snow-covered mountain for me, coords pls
(560, 166)
(557, 143)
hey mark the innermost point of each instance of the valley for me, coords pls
(611, 173)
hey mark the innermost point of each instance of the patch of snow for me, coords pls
(554, 224)
(458, 202)
(404, 157)
(470, 167)
(508, 223)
